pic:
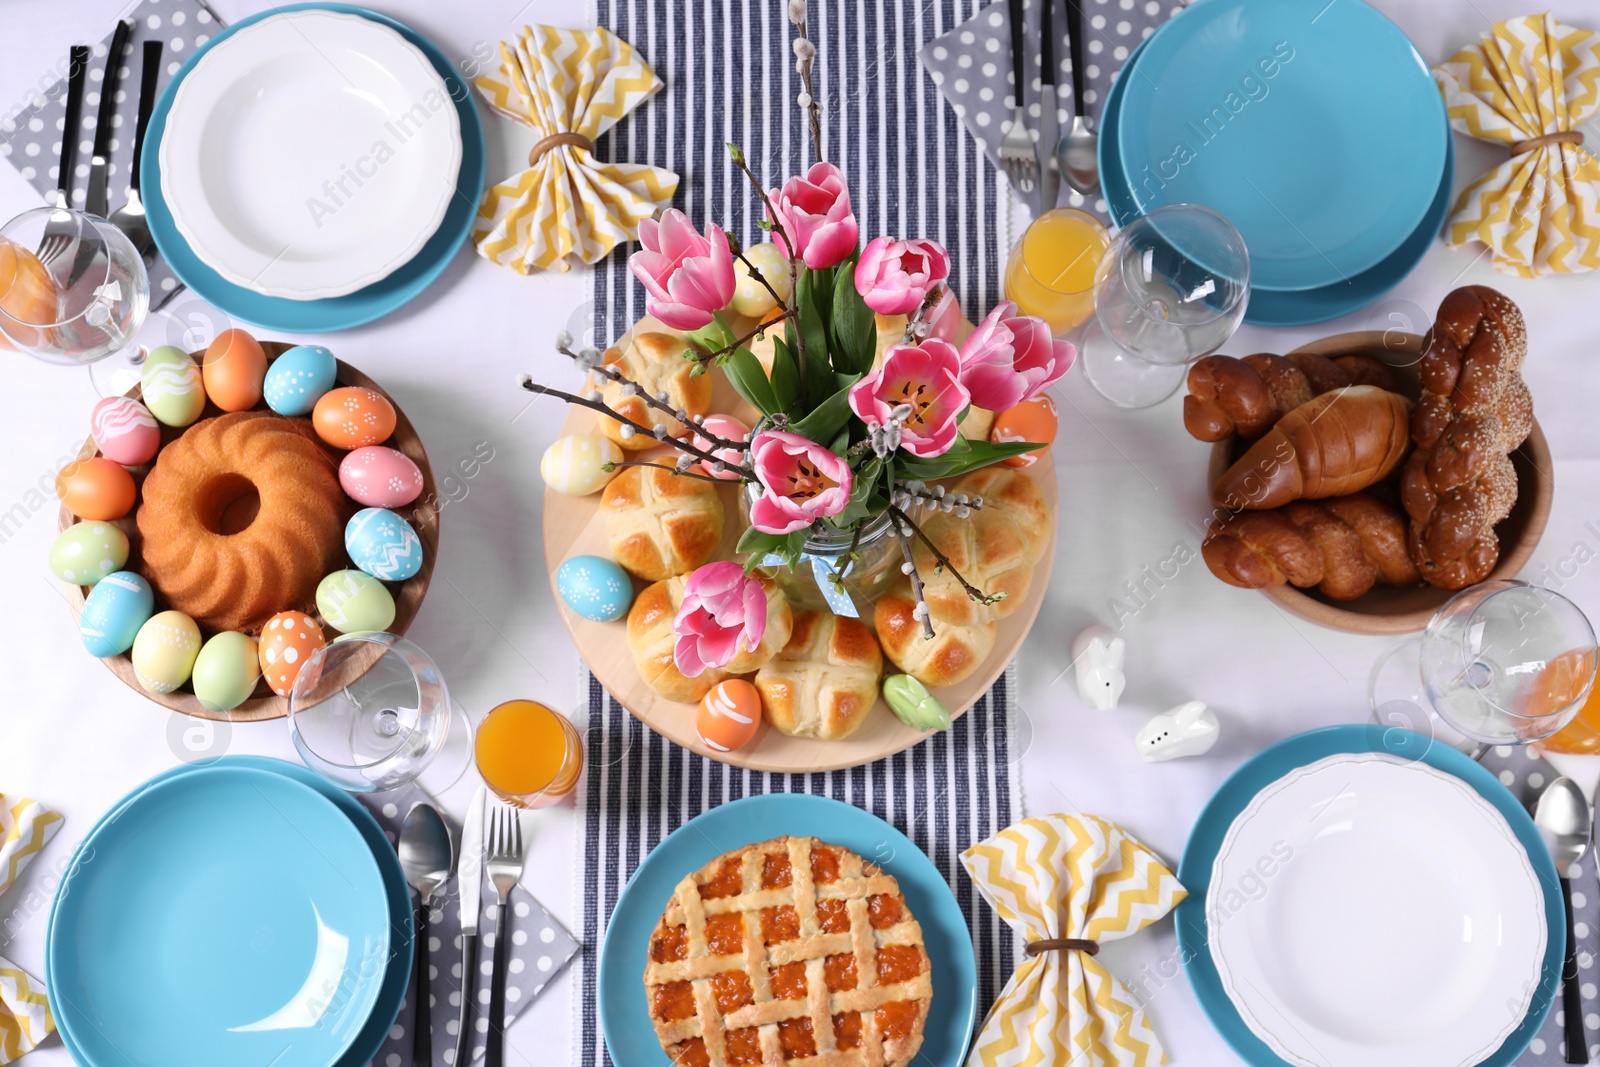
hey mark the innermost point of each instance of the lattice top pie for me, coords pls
(788, 953)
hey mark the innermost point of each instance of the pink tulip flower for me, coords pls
(814, 212)
(689, 277)
(894, 277)
(804, 482)
(1010, 358)
(721, 610)
(928, 378)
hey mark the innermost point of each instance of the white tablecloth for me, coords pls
(1131, 495)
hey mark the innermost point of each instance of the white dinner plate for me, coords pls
(1366, 911)
(310, 154)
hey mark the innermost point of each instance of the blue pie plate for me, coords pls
(624, 1013)
(1301, 750)
(339, 312)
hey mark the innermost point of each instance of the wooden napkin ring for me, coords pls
(1061, 944)
(556, 140)
(1564, 137)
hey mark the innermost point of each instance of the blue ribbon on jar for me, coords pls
(829, 582)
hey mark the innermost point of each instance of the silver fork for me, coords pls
(504, 864)
(1017, 156)
(61, 228)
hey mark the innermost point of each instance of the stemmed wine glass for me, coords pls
(1172, 287)
(73, 290)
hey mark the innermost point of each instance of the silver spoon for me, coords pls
(1077, 153)
(1566, 823)
(427, 856)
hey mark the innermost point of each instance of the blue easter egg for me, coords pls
(116, 607)
(383, 544)
(595, 588)
(298, 378)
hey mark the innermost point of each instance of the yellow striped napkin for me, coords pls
(567, 208)
(1527, 84)
(1069, 877)
(25, 827)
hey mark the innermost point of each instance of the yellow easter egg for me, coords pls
(750, 297)
(573, 464)
(164, 651)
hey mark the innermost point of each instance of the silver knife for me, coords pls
(1049, 179)
(470, 889)
(96, 200)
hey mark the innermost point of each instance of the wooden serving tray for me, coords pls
(423, 514)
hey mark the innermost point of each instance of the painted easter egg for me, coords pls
(170, 385)
(124, 430)
(299, 378)
(96, 488)
(383, 544)
(164, 651)
(288, 640)
(572, 465)
(1034, 419)
(750, 297)
(353, 417)
(116, 607)
(233, 369)
(225, 671)
(913, 705)
(729, 429)
(595, 587)
(87, 552)
(381, 477)
(353, 602)
(729, 715)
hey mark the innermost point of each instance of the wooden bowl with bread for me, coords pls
(1346, 559)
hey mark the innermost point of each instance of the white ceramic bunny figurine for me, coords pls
(1097, 656)
(1187, 730)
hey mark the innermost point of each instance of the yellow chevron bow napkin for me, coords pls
(1527, 84)
(25, 827)
(1064, 877)
(567, 208)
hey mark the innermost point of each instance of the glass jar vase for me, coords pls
(815, 583)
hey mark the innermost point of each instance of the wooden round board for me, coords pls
(574, 526)
(423, 515)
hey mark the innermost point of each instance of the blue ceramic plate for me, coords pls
(624, 1015)
(1267, 307)
(1274, 763)
(339, 312)
(225, 914)
(1315, 127)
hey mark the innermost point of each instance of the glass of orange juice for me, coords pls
(529, 755)
(1050, 273)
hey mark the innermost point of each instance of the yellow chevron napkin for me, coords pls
(1078, 878)
(1527, 84)
(25, 827)
(567, 208)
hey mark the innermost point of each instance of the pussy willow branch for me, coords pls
(910, 570)
(612, 374)
(813, 109)
(793, 257)
(944, 561)
(930, 497)
(661, 467)
(733, 346)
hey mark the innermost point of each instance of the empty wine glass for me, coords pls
(1502, 663)
(73, 290)
(370, 712)
(1172, 288)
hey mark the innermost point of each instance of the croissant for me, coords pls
(1246, 396)
(1344, 545)
(1333, 444)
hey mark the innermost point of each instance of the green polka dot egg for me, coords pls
(86, 552)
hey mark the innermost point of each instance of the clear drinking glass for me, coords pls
(528, 754)
(1173, 287)
(73, 290)
(1050, 272)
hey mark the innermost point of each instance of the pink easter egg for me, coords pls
(380, 477)
(728, 428)
(124, 431)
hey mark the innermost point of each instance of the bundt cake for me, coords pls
(241, 517)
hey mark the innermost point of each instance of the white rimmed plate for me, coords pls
(310, 154)
(1366, 911)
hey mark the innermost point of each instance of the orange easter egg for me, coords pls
(353, 417)
(232, 371)
(1034, 419)
(729, 715)
(288, 640)
(96, 489)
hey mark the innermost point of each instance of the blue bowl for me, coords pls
(1269, 766)
(624, 1013)
(338, 312)
(1315, 127)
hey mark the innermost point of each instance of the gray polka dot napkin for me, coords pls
(971, 65)
(540, 948)
(30, 138)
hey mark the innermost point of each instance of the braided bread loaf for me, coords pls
(1246, 396)
(1475, 410)
(1345, 545)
